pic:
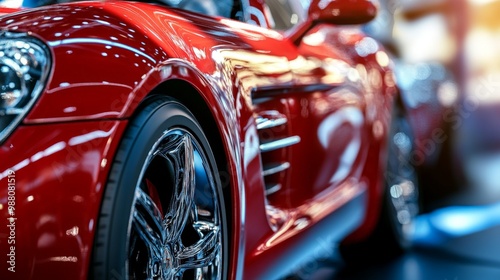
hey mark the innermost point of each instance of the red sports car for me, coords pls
(187, 139)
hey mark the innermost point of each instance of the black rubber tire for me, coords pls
(156, 115)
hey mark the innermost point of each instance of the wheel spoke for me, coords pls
(181, 153)
(147, 221)
(204, 252)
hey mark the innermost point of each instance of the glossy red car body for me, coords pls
(107, 57)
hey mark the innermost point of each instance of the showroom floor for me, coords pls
(459, 240)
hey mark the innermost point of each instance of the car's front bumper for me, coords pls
(51, 183)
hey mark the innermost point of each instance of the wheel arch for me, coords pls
(189, 96)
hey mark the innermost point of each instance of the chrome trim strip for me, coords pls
(278, 144)
(271, 189)
(270, 169)
(264, 123)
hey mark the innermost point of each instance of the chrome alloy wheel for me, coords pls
(175, 224)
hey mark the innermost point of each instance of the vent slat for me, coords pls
(270, 169)
(278, 144)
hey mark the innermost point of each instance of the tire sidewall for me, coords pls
(399, 123)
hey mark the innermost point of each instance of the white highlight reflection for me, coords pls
(354, 117)
(77, 140)
(99, 41)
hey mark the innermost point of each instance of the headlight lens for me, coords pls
(24, 67)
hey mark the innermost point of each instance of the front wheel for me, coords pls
(162, 215)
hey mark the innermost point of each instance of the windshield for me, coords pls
(287, 13)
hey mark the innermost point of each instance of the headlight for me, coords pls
(24, 67)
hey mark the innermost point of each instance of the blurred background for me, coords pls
(447, 61)
(447, 64)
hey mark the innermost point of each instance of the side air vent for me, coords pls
(274, 139)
